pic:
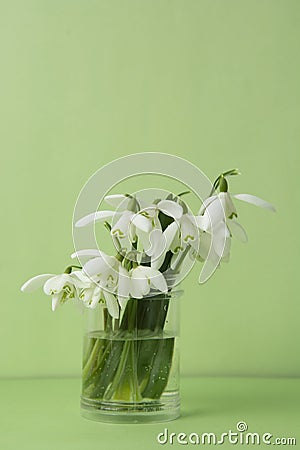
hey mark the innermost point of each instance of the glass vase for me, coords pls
(131, 365)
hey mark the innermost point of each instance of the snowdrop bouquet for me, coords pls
(130, 360)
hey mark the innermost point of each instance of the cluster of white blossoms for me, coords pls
(152, 241)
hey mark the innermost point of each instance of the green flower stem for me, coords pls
(70, 268)
(107, 368)
(107, 319)
(112, 388)
(128, 387)
(160, 369)
(96, 350)
(87, 350)
(125, 383)
(90, 364)
(155, 355)
(124, 367)
(145, 364)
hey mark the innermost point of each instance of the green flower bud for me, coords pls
(223, 184)
(133, 205)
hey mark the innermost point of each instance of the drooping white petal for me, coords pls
(121, 227)
(205, 244)
(177, 245)
(56, 300)
(157, 243)
(80, 279)
(144, 205)
(206, 202)
(95, 297)
(112, 304)
(158, 249)
(99, 266)
(125, 242)
(91, 252)
(227, 203)
(36, 282)
(237, 230)
(143, 241)
(139, 283)
(170, 233)
(226, 251)
(219, 236)
(170, 208)
(158, 281)
(215, 212)
(188, 229)
(211, 259)
(95, 217)
(132, 236)
(157, 262)
(87, 294)
(195, 244)
(175, 259)
(117, 200)
(55, 284)
(202, 222)
(141, 222)
(139, 287)
(209, 267)
(123, 286)
(149, 211)
(248, 198)
(156, 278)
(155, 221)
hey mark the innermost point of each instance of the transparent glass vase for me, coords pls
(131, 365)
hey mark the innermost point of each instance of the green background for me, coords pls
(215, 82)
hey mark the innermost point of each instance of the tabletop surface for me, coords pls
(42, 414)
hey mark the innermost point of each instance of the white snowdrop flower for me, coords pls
(126, 222)
(217, 218)
(103, 272)
(60, 287)
(138, 281)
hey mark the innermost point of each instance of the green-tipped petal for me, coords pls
(55, 284)
(139, 284)
(155, 277)
(157, 243)
(169, 234)
(237, 230)
(99, 266)
(121, 227)
(112, 304)
(141, 222)
(95, 297)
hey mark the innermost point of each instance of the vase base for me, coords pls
(165, 409)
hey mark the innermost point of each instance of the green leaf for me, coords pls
(160, 368)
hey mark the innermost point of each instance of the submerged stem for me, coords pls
(124, 365)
